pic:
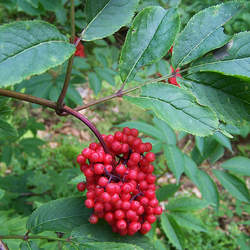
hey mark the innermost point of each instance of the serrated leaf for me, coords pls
(203, 33)
(186, 204)
(7, 132)
(189, 221)
(157, 29)
(172, 231)
(103, 233)
(178, 108)
(94, 82)
(60, 215)
(223, 140)
(105, 17)
(168, 134)
(238, 165)
(175, 160)
(229, 97)
(31, 48)
(142, 127)
(166, 191)
(233, 185)
(203, 181)
(231, 60)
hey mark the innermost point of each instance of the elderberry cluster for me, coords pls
(120, 185)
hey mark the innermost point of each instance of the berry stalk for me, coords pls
(89, 124)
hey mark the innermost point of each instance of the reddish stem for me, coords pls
(89, 124)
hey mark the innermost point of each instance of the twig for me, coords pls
(28, 98)
(89, 124)
(70, 63)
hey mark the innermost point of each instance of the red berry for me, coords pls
(89, 203)
(121, 224)
(81, 159)
(105, 197)
(99, 168)
(126, 131)
(93, 219)
(120, 169)
(150, 156)
(135, 157)
(119, 214)
(158, 210)
(81, 186)
(145, 227)
(103, 181)
(109, 217)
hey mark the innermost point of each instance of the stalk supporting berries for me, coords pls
(120, 184)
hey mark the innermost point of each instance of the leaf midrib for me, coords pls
(208, 35)
(29, 48)
(98, 14)
(225, 92)
(140, 56)
(59, 218)
(195, 118)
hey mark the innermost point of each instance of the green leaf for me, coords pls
(172, 231)
(2, 193)
(77, 179)
(7, 152)
(178, 108)
(203, 181)
(189, 221)
(228, 97)
(223, 140)
(111, 245)
(94, 82)
(105, 74)
(102, 232)
(142, 127)
(157, 29)
(105, 17)
(81, 63)
(31, 48)
(29, 245)
(175, 160)
(186, 204)
(217, 154)
(6, 131)
(167, 133)
(60, 215)
(238, 165)
(233, 185)
(232, 60)
(166, 191)
(203, 33)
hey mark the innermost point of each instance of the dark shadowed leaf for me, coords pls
(60, 215)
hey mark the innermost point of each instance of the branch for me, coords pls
(70, 63)
(28, 98)
(121, 92)
(89, 124)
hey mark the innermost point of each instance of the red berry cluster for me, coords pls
(120, 185)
